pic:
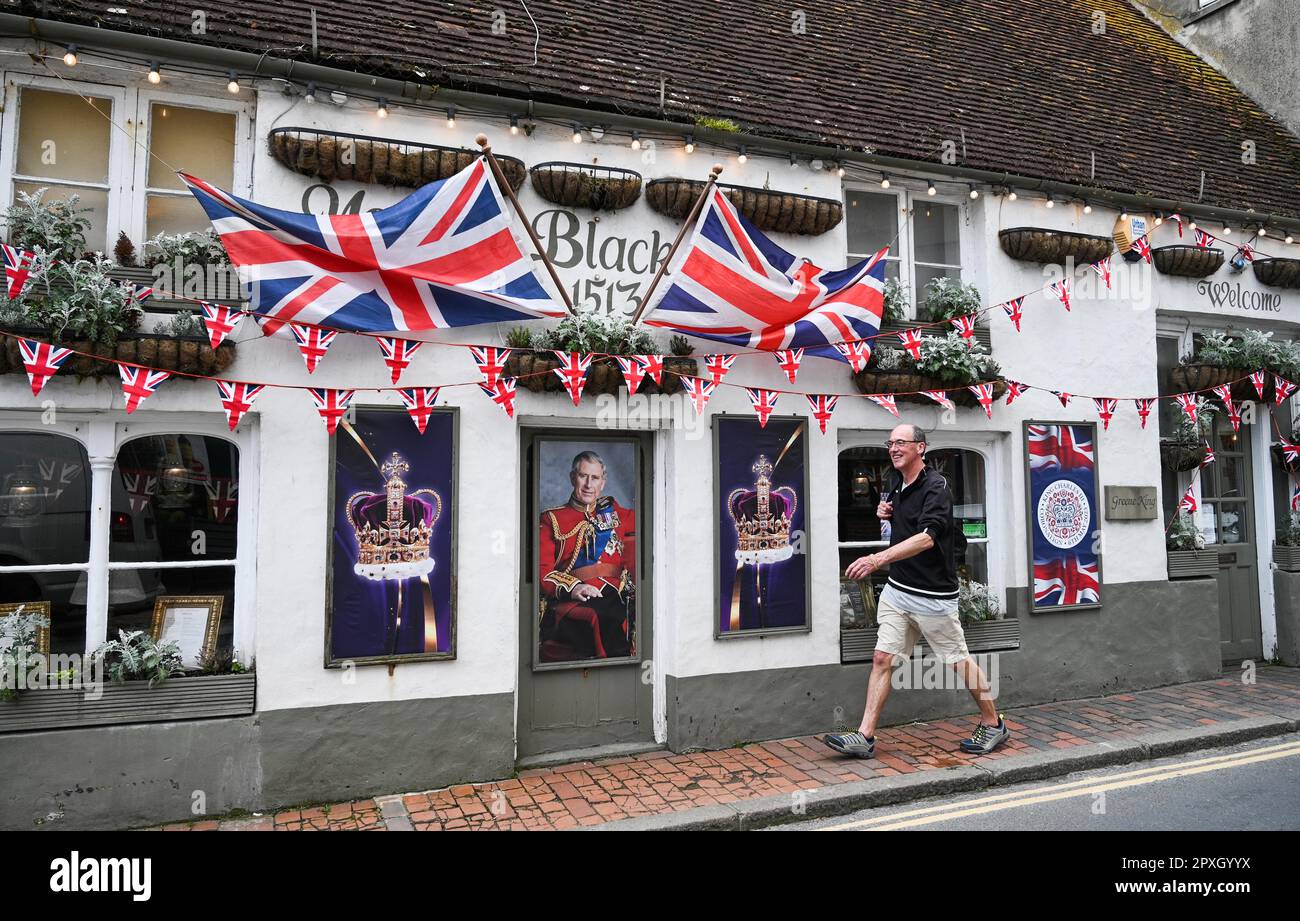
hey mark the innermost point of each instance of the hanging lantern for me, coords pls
(174, 485)
(22, 500)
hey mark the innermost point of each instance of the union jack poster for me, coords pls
(1064, 524)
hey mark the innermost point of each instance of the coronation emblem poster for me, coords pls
(1064, 524)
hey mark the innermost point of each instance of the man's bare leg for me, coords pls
(978, 686)
(878, 687)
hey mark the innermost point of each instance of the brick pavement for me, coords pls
(593, 792)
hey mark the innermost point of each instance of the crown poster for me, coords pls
(762, 486)
(392, 561)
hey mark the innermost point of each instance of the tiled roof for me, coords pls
(1032, 87)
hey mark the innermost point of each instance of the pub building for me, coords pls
(441, 592)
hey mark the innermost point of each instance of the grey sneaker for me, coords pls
(852, 743)
(987, 738)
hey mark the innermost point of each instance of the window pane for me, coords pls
(1232, 516)
(67, 611)
(964, 471)
(134, 592)
(175, 497)
(44, 500)
(61, 136)
(174, 214)
(94, 199)
(924, 273)
(872, 222)
(934, 233)
(200, 142)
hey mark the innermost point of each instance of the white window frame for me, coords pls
(102, 435)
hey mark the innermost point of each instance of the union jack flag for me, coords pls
(941, 397)
(140, 488)
(491, 362)
(1178, 219)
(419, 404)
(1063, 396)
(1014, 389)
(984, 393)
(1062, 290)
(1189, 404)
(718, 366)
(1290, 453)
(222, 498)
(1066, 581)
(138, 293)
(764, 402)
(912, 342)
(573, 372)
(789, 360)
(966, 326)
(1015, 310)
(1144, 408)
(1143, 248)
(1102, 268)
(502, 393)
(654, 366)
(313, 342)
(449, 254)
(1105, 410)
(885, 401)
(1295, 495)
(1188, 503)
(1209, 455)
(42, 361)
(19, 265)
(733, 284)
(332, 405)
(1224, 393)
(220, 321)
(633, 371)
(856, 353)
(398, 353)
(1205, 239)
(237, 399)
(1060, 447)
(1257, 378)
(699, 390)
(822, 405)
(1282, 389)
(1247, 252)
(138, 383)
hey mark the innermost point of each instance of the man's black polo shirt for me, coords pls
(925, 505)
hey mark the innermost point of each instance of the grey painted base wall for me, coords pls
(1286, 601)
(1147, 634)
(125, 776)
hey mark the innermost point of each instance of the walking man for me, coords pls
(920, 598)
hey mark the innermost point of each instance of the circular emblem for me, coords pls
(1063, 514)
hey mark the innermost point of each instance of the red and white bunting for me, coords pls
(1209, 455)
(1204, 239)
(633, 371)
(1102, 268)
(220, 321)
(1295, 495)
(764, 402)
(1015, 309)
(856, 353)
(1257, 378)
(1062, 290)
(941, 397)
(1247, 252)
(1188, 502)
(502, 393)
(398, 353)
(700, 390)
(42, 361)
(885, 401)
(313, 342)
(1143, 248)
(654, 366)
(1282, 389)
(1224, 393)
(332, 405)
(1014, 389)
(19, 265)
(237, 399)
(822, 405)
(138, 383)
(141, 486)
(789, 360)
(222, 492)
(573, 372)
(912, 342)
(718, 366)
(1063, 396)
(966, 326)
(1187, 402)
(984, 393)
(491, 361)
(138, 294)
(1105, 410)
(419, 402)
(1290, 453)
(1178, 219)
(1144, 409)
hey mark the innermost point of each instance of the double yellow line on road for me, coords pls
(913, 818)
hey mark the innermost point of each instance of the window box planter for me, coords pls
(604, 376)
(1279, 273)
(580, 185)
(1181, 456)
(982, 636)
(907, 386)
(1192, 564)
(199, 697)
(1187, 261)
(331, 155)
(220, 286)
(1287, 559)
(1033, 244)
(767, 209)
(1195, 376)
(191, 354)
(889, 331)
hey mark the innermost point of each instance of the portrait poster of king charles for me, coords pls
(587, 550)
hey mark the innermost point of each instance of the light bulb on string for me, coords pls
(1123, 215)
(1226, 230)
(690, 143)
(884, 180)
(839, 170)
(1087, 207)
(794, 162)
(1012, 196)
(70, 58)
(742, 156)
(1050, 203)
(636, 140)
(577, 135)
(382, 111)
(1290, 239)
(514, 124)
(155, 73)
(930, 189)
(974, 192)
(451, 116)
(310, 95)
(232, 87)
(1262, 232)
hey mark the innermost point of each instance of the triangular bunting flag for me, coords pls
(1144, 408)
(419, 404)
(966, 326)
(237, 399)
(941, 397)
(633, 371)
(1282, 389)
(912, 342)
(1102, 268)
(220, 321)
(1290, 453)
(573, 372)
(491, 361)
(1247, 252)
(331, 404)
(1209, 455)
(138, 293)
(1062, 290)
(398, 353)
(823, 405)
(1063, 397)
(764, 402)
(789, 360)
(1224, 393)
(1187, 401)
(654, 366)
(1295, 495)
(1014, 389)
(700, 390)
(313, 342)
(1205, 240)
(1015, 310)
(19, 265)
(1178, 219)
(1143, 248)
(1257, 378)
(885, 401)
(138, 383)
(984, 393)
(1105, 410)
(502, 394)
(718, 366)
(42, 361)
(1188, 503)
(858, 354)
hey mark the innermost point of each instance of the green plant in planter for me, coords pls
(137, 656)
(184, 324)
(1184, 534)
(19, 650)
(521, 337)
(1250, 351)
(1187, 432)
(896, 301)
(680, 346)
(954, 362)
(221, 661)
(1288, 535)
(94, 306)
(593, 332)
(124, 251)
(887, 359)
(58, 227)
(946, 299)
(190, 248)
(976, 603)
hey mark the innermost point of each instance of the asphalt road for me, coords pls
(1250, 787)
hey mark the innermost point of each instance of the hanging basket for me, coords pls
(1187, 261)
(536, 372)
(1181, 456)
(1033, 244)
(769, 210)
(907, 386)
(190, 354)
(1278, 273)
(1194, 376)
(601, 188)
(331, 155)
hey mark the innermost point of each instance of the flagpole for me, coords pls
(688, 223)
(504, 185)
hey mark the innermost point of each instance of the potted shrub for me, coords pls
(1220, 358)
(1185, 550)
(1185, 449)
(580, 185)
(1286, 546)
(947, 363)
(21, 642)
(946, 299)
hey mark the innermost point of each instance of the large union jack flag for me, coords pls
(449, 254)
(732, 284)
(1066, 581)
(1060, 447)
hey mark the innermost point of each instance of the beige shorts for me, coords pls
(901, 632)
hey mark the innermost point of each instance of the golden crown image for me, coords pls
(762, 517)
(393, 528)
